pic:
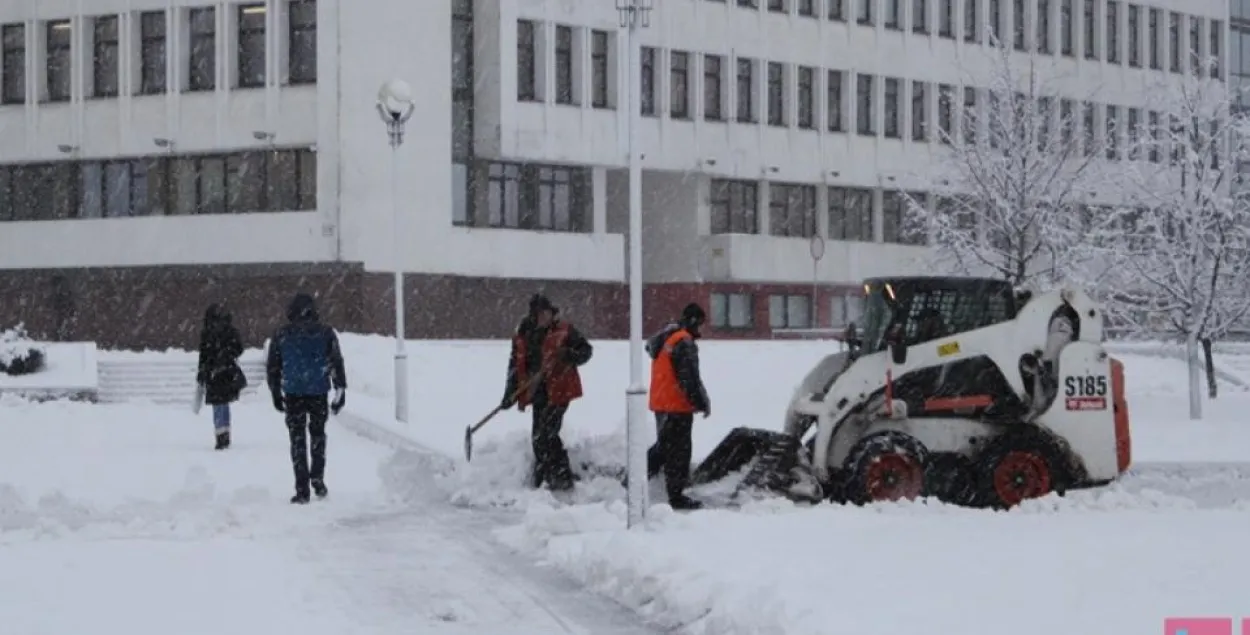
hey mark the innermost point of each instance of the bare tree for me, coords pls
(1020, 167)
(1186, 245)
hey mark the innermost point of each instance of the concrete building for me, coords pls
(156, 155)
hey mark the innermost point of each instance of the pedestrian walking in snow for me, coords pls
(542, 372)
(304, 363)
(677, 392)
(218, 374)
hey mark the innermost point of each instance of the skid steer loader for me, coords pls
(956, 388)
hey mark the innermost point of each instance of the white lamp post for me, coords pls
(635, 14)
(395, 107)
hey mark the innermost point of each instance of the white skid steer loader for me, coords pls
(956, 388)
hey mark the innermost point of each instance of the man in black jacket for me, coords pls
(677, 393)
(304, 362)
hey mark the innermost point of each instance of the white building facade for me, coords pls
(156, 155)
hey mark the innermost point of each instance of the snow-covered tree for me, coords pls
(1020, 164)
(1186, 244)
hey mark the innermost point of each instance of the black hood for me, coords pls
(302, 309)
(216, 317)
(656, 343)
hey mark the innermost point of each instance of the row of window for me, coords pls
(734, 206)
(259, 181)
(522, 196)
(785, 311)
(55, 42)
(1112, 30)
(569, 46)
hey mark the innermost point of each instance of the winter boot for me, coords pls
(319, 488)
(300, 498)
(681, 502)
(223, 439)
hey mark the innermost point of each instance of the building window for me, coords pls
(776, 94)
(251, 45)
(713, 73)
(807, 97)
(836, 11)
(846, 310)
(807, 8)
(59, 58)
(679, 85)
(919, 16)
(791, 210)
(946, 19)
(746, 90)
(1134, 134)
(1195, 44)
(564, 65)
(833, 97)
(946, 112)
(302, 56)
(1065, 28)
(38, 191)
(13, 64)
(1156, 136)
(970, 21)
(863, 106)
(151, 52)
(1090, 135)
(919, 112)
(1217, 47)
(538, 197)
(734, 207)
(850, 214)
(1067, 123)
(864, 15)
(104, 56)
(789, 311)
(778, 6)
(971, 118)
(647, 80)
(1112, 132)
(1134, 36)
(893, 15)
(599, 68)
(1174, 42)
(732, 311)
(1091, 32)
(202, 59)
(995, 21)
(1113, 32)
(750, 4)
(526, 61)
(892, 107)
(895, 227)
(1155, 40)
(1017, 25)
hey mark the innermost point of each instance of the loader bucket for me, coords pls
(774, 454)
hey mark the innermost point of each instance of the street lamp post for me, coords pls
(635, 15)
(395, 108)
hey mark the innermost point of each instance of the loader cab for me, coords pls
(903, 312)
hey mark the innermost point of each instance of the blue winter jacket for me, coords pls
(304, 356)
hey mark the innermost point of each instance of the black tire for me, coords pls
(1017, 466)
(951, 478)
(885, 466)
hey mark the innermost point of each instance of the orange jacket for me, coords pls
(675, 384)
(562, 381)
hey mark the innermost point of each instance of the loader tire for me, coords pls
(887, 466)
(951, 478)
(1018, 466)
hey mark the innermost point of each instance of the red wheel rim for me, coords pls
(892, 477)
(1021, 475)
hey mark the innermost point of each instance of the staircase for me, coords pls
(162, 381)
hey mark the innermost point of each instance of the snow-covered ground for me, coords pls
(122, 516)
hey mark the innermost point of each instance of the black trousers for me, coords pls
(306, 417)
(671, 452)
(551, 460)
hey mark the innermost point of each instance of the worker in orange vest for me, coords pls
(677, 393)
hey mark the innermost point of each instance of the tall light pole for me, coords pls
(395, 107)
(635, 15)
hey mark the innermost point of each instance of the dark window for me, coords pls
(1134, 36)
(864, 105)
(302, 56)
(1134, 134)
(538, 197)
(1217, 47)
(789, 311)
(971, 119)
(1154, 40)
(995, 21)
(777, 6)
(895, 227)
(1017, 26)
(526, 62)
(1067, 124)
(647, 90)
(750, 4)
(679, 85)
(850, 214)
(971, 29)
(746, 90)
(732, 310)
(599, 68)
(1065, 28)
(104, 56)
(1174, 42)
(734, 207)
(152, 52)
(712, 89)
(59, 56)
(919, 112)
(834, 101)
(1156, 137)
(1195, 44)
(1113, 32)
(864, 15)
(462, 87)
(13, 64)
(946, 112)
(893, 15)
(1091, 32)
(1112, 132)
(807, 8)
(791, 210)
(776, 94)
(1089, 134)
(564, 65)
(1043, 26)
(836, 10)
(807, 97)
(892, 99)
(919, 16)
(202, 62)
(251, 45)
(946, 19)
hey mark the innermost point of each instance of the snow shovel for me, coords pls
(471, 430)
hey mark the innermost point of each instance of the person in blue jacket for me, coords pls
(304, 363)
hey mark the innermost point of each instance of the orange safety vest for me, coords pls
(563, 382)
(666, 393)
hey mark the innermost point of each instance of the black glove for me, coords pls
(507, 402)
(277, 403)
(339, 400)
(707, 410)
